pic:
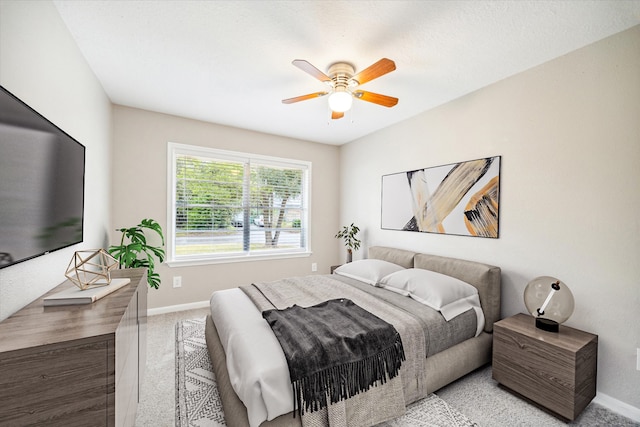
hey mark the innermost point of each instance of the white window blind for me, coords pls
(235, 205)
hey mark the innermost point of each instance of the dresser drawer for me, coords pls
(74, 375)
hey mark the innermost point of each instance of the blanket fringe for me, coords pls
(313, 392)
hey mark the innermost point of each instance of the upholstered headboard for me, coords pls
(486, 278)
(396, 256)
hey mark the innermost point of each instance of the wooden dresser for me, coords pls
(75, 365)
(557, 370)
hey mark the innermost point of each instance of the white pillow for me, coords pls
(369, 271)
(448, 295)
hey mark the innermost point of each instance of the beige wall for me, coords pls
(568, 132)
(140, 191)
(41, 64)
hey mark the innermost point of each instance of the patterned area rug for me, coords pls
(197, 398)
(198, 401)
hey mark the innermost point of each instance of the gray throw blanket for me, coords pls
(334, 351)
(380, 403)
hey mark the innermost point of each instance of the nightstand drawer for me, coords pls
(555, 370)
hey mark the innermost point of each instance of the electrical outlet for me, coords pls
(314, 266)
(177, 281)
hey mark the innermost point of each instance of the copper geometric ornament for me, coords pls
(91, 268)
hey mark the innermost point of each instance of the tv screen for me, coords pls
(41, 184)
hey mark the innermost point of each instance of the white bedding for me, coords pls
(255, 361)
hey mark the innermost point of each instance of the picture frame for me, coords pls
(459, 198)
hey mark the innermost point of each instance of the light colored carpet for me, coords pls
(476, 395)
(479, 397)
(157, 406)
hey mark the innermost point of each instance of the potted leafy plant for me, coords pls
(134, 251)
(348, 234)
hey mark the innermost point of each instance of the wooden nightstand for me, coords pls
(554, 370)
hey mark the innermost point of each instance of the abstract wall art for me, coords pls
(461, 198)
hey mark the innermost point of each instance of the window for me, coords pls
(228, 205)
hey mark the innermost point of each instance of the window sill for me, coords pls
(233, 259)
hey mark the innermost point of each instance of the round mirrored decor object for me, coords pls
(549, 300)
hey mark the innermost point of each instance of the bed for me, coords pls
(440, 367)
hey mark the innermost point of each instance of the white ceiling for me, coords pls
(229, 62)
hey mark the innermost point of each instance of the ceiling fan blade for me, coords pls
(374, 71)
(304, 97)
(310, 69)
(335, 115)
(376, 98)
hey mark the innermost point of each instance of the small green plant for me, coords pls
(348, 234)
(134, 251)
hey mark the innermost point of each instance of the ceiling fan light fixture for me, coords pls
(343, 83)
(340, 101)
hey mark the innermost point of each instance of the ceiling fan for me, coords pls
(343, 81)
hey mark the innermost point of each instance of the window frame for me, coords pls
(175, 149)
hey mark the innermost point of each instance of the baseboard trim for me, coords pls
(179, 307)
(617, 406)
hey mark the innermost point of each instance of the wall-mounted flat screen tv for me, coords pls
(41, 184)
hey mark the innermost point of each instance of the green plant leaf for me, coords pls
(115, 251)
(135, 234)
(150, 263)
(154, 280)
(348, 234)
(142, 262)
(152, 225)
(137, 263)
(130, 254)
(134, 252)
(158, 252)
